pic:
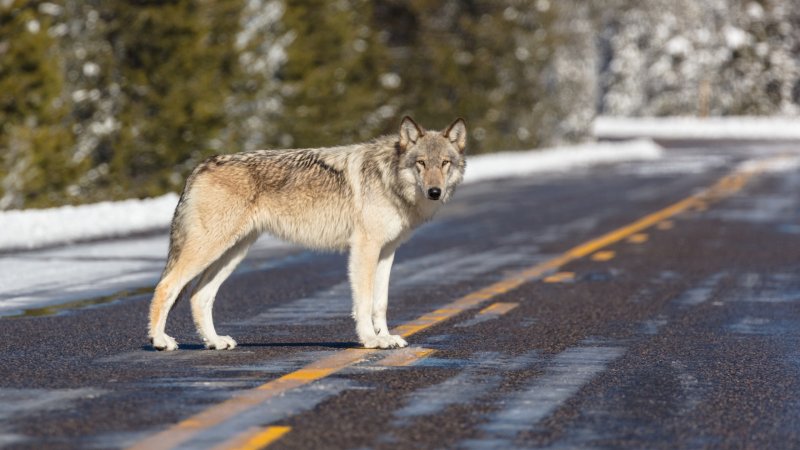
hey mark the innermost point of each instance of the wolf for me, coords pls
(366, 198)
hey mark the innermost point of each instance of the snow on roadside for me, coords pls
(35, 228)
(559, 159)
(783, 163)
(28, 229)
(754, 128)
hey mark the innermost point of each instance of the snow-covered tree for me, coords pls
(254, 106)
(717, 57)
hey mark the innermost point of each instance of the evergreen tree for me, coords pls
(88, 69)
(175, 65)
(255, 106)
(332, 88)
(36, 164)
(481, 60)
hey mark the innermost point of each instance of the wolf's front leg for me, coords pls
(381, 299)
(364, 255)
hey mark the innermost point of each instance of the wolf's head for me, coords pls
(432, 162)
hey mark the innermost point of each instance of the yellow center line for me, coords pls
(497, 309)
(406, 356)
(665, 225)
(219, 413)
(309, 374)
(638, 238)
(604, 255)
(216, 414)
(559, 277)
(254, 439)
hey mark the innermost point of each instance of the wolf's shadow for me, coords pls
(342, 345)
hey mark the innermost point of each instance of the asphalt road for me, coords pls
(618, 307)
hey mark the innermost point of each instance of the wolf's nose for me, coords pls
(434, 193)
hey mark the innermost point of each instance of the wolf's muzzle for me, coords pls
(434, 193)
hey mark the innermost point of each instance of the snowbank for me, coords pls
(38, 228)
(560, 159)
(753, 128)
(41, 227)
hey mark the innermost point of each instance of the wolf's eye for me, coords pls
(421, 163)
(445, 163)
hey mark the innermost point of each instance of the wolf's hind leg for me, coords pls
(206, 292)
(164, 297)
(381, 298)
(199, 252)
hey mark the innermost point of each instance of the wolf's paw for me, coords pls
(164, 342)
(221, 343)
(385, 341)
(398, 341)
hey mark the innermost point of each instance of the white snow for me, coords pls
(783, 163)
(27, 229)
(560, 159)
(679, 45)
(41, 227)
(754, 128)
(735, 37)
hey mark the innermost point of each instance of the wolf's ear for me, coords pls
(410, 132)
(457, 133)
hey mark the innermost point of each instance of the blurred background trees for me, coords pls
(715, 57)
(103, 99)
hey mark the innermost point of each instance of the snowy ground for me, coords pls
(42, 227)
(691, 128)
(95, 271)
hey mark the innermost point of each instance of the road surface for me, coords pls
(640, 305)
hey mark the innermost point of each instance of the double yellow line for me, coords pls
(247, 400)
